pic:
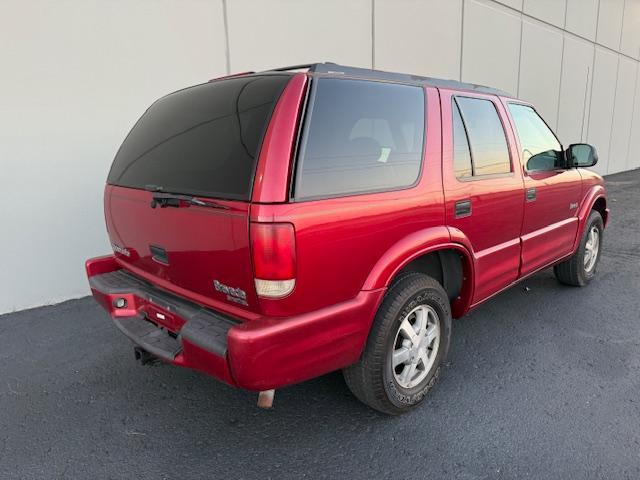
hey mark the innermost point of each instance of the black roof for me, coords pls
(328, 68)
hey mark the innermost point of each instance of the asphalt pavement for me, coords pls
(541, 382)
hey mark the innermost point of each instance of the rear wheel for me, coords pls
(409, 338)
(580, 269)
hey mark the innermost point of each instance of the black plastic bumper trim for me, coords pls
(149, 336)
(204, 328)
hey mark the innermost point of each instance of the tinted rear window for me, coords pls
(360, 136)
(461, 151)
(202, 140)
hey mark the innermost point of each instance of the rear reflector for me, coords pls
(274, 288)
(273, 248)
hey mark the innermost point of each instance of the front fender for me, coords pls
(594, 193)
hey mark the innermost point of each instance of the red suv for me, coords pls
(271, 227)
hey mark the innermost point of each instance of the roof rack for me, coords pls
(310, 66)
(330, 68)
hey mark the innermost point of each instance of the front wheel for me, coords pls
(581, 267)
(408, 340)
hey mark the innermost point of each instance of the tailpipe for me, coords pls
(265, 398)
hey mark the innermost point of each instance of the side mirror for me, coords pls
(544, 161)
(581, 155)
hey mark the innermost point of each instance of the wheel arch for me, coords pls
(434, 253)
(600, 205)
(595, 199)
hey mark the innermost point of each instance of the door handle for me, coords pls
(531, 194)
(463, 209)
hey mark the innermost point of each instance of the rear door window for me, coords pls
(461, 152)
(487, 140)
(203, 140)
(360, 136)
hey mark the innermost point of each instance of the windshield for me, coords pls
(203, 140)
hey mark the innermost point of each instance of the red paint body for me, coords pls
(347, 249)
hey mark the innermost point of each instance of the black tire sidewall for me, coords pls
(400, 397)
(595, 219)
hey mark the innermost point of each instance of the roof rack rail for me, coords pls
(232, 75)
(310, 66)
(367, 73)
(330, 68)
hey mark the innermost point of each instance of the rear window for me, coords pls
(202, 140)
(360, 136)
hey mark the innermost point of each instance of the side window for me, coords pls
(461, 152)
(376, 128)
(540, 148)
(360, 136)
(487, 140)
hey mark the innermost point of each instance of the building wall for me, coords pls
(76, 74)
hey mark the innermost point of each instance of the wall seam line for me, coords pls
(587, 91)
(564, 26)
(560, 84)
(593, 71)
(624, 9)
(226, 37)
(373, 34)
(461, 39)
(633, 114)
(613, 114)
(520, 51)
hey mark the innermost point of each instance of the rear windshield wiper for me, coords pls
(164, 199)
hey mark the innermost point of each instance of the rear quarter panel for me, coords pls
(340, 240)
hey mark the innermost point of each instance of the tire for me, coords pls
(373, 379)
(579, 270)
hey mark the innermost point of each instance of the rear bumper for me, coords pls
(258, 354)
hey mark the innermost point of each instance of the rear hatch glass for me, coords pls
(202, 140)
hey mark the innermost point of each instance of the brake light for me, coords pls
(273, 247)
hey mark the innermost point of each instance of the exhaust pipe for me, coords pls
(265, 398)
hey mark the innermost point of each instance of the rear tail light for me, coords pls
(273, 246)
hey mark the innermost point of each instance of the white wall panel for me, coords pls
(491, 45)
(630, 43)
(582, 17)
(540, 65)
(551, 11)
(610, 23)
(633, 158)
(577, 75)
(267, 34)
(76, 74)
(79, 75)
(419, 36)
(602, 101)
(622, 115)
